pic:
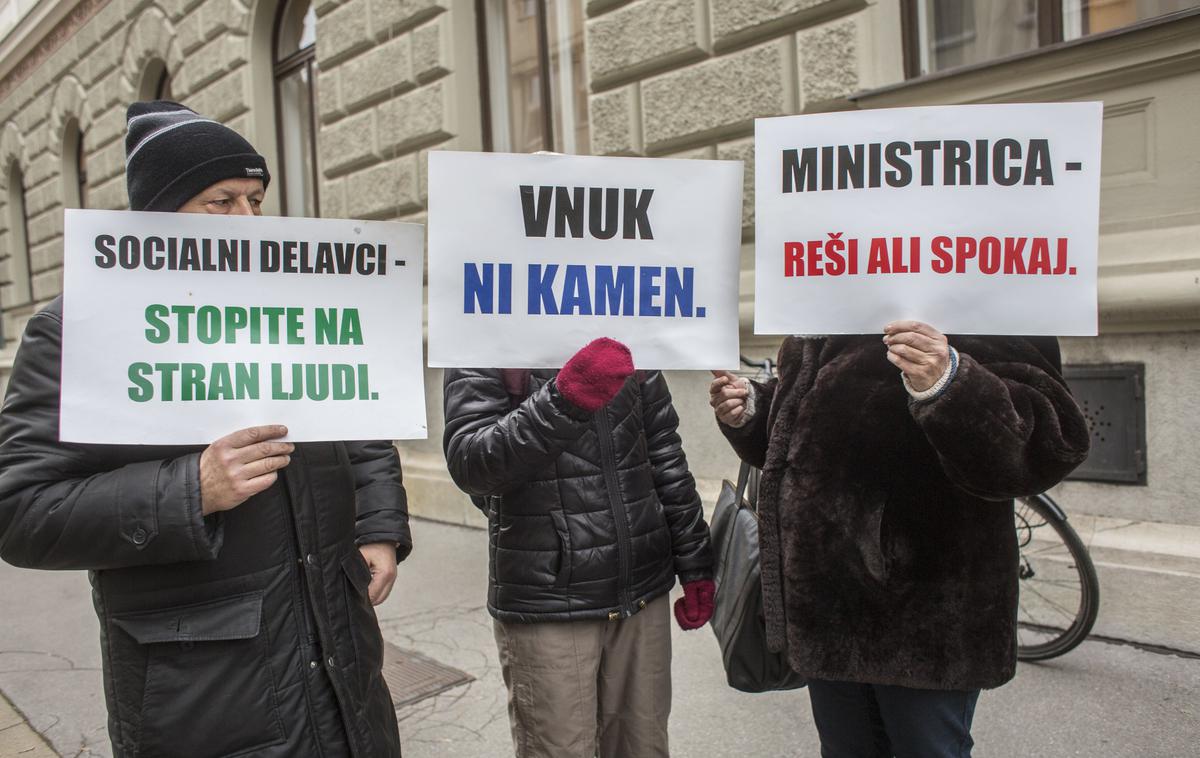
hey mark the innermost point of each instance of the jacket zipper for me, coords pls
(620, 518)
(296, 560)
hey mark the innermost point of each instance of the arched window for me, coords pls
(18, 235)
(156, 81)
(295, 65)
(74, 166)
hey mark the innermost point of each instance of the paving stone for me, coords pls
(19, 739)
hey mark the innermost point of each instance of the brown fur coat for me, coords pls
(888, 549)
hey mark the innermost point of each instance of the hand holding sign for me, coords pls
(238, 466)
(728, 395)
(918, 350)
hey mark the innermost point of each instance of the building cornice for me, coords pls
(38, 35)
(1147, 51)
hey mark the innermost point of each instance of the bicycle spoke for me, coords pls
(1052, 589)
(1057, 582)
(1030, 516)
(1057, 600)
(1049, 546)
(1033, 634)
(1070, 615)
(1037, 627)
(1023, 609)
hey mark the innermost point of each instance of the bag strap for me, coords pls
(743, 480)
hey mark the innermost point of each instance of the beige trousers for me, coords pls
(578, 689)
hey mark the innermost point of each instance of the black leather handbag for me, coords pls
(738, 615)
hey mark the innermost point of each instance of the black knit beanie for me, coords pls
(173, 154)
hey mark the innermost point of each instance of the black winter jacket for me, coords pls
(246, 632)
(590, 515)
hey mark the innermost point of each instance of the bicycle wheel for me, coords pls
(1059, 591)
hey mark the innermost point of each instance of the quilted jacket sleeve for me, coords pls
(674, 483)
(380, 499)
(61, 509)
(1006, 426)
(490, 447)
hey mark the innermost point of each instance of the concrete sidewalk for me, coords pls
(17, 737)
(1101, 701)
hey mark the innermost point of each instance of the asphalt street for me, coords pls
(1101, 701)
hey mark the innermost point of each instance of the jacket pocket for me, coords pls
(562, 575)
(208, 689)
(364, 631)
(358, 573)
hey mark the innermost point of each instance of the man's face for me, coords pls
(229, 197)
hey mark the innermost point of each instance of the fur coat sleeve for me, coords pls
(1004, 428)
(749, 441)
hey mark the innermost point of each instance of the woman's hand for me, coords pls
(919, 350)
(727, 395)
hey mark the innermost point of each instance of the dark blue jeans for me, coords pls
(880, 721)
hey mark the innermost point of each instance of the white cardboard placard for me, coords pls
(533, 256)
(182, 328)
(976, 219)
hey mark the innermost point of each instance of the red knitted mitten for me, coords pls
(594, 375)
(695, 608)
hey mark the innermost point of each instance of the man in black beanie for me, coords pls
(173, 154)
(234, 583)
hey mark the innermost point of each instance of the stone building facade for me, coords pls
(394, 79)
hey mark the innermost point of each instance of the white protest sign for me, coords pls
(533, 256)
(181, 328)
(977, 219)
